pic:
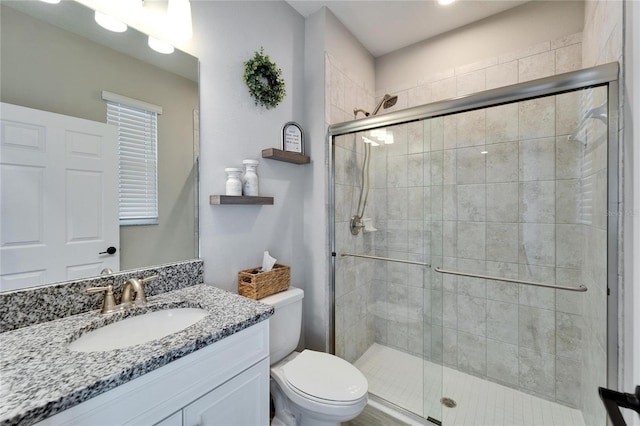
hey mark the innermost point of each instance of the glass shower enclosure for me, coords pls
(473, 250)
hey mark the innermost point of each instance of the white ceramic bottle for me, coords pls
(250, 181)
(233, 184)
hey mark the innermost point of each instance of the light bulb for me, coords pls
(160, 46)
(445, 2)
(110, 23)
(179, 14)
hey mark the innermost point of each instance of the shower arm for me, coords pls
(357, 110)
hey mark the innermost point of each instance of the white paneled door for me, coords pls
(58, 197)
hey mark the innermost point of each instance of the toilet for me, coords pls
(308, 388)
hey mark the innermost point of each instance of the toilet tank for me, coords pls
(285, 323)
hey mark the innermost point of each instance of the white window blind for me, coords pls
(138, 158)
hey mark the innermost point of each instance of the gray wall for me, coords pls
(233, 128)
(47, 68)
(349, 74)
(316, 236)
(340, 73)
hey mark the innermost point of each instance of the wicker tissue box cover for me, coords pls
(258, 285)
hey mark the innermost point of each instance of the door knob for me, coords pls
(110, 250)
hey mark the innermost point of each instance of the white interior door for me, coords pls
(58, 197)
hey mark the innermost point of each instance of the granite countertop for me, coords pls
(40, 376)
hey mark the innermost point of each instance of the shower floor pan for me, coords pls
(392, 376)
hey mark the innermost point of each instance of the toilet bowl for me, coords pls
(308, 388)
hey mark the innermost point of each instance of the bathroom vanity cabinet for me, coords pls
(224, 383)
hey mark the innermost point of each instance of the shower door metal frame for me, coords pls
(582, 79)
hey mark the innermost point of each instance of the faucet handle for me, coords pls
(109, 303)
(139, 285)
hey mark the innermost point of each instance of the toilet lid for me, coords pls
(325, 376)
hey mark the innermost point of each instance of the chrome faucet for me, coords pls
(132, 295)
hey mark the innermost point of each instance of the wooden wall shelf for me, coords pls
(289, 157)
(220, 200)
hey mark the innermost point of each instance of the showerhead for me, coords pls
(387, 101)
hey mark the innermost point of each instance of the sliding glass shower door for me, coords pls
(471, 260)
(381, 264)
(519, 258)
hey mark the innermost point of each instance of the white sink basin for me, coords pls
(139, 329)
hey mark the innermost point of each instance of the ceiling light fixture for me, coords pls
(51, 1)
(110, 23)
(160, 46)
(445, 2)
(179, 13)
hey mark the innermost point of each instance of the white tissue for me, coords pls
(267, 262)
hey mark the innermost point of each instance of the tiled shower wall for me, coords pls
(541, 60)
(354, 326)
(401, 192)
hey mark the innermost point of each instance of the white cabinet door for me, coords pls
(242, 401)
(59, 197)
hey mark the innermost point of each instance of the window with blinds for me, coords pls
(137, 122)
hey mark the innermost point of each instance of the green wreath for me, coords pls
(264, 80)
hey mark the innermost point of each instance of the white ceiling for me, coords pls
(386, 26)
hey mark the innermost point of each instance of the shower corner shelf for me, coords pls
(219, 200)
(289, 157)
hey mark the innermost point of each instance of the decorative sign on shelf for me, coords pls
(293, 138)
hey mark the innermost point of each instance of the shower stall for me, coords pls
(474, 253)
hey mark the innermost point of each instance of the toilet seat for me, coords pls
(325, 378)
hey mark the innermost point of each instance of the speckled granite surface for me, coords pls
(22, 308)
(40, 376)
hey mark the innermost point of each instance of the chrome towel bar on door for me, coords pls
(387, 259)
(509, 280)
